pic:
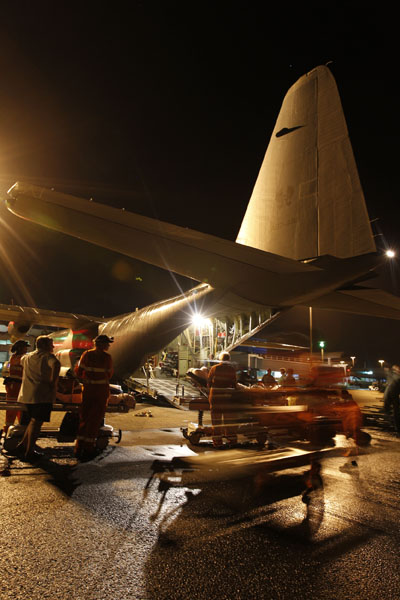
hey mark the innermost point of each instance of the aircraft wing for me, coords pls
(48, 318)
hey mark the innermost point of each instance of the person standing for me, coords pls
(289, 378)
(94, 370)
(268, 379)
(391, 396)
(221, 382)
(38, 392)
(281, 379)
(13, 382)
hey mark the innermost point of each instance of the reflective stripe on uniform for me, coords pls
(15, 367)
(102, 381)
(83, 438)
(94, 369)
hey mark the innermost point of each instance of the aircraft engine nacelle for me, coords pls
(18, 329)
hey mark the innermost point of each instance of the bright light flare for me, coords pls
(390, 253)
(200, 321)
(13, 253)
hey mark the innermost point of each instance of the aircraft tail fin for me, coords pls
(308, 200)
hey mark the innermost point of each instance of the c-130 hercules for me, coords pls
(305, 239)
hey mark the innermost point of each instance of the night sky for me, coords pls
(166, 109)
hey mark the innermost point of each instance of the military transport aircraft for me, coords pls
(305, 239)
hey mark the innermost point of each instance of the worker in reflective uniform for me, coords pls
(94, 370)
(13, 381)
(221, 381)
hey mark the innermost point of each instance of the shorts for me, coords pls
(41, 412)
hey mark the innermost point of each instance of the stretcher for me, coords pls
(69, 398)
(67, 431)
(312, 414)
(196, 471)
(235, 464)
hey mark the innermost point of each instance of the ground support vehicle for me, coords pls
(312, 414)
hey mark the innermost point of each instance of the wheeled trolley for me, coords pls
(312, 414)
(65, 433)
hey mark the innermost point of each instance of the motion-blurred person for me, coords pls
(95, 370)
(391, 396)
(245, 378)
(312, 480)
(268, 379)
(13, 382)
(324, 377)
(288, 378)
(38, 392)
(221, 381)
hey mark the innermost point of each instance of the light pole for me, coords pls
(353, 358)
(322, 346)
(381, 362)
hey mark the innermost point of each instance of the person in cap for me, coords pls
(94, 370)
(13, 382)
(38, 392)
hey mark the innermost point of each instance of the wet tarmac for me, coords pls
(117, 528)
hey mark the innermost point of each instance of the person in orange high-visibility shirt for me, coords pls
(221, 381)
(95, 370)
(13, 382)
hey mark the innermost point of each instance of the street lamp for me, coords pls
(353, 358)
(322, 346)
(381, 362)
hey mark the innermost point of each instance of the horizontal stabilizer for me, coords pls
(363, 301)
(187, 252)
(243, 275)
(220, 263)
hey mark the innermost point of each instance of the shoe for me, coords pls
(232, 442)
(86, 456)
(217, 443)
(19, 451)
(33, 456)
(349, 467)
